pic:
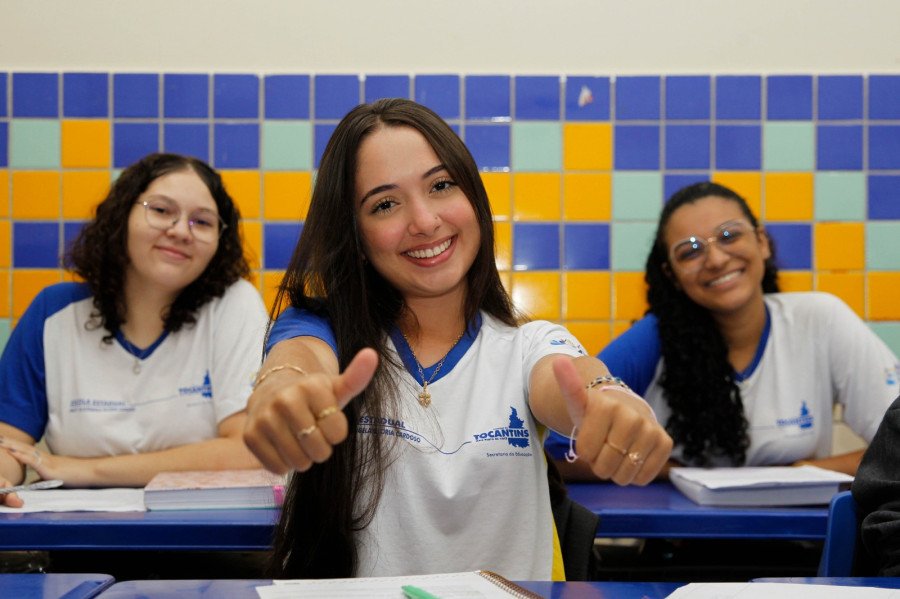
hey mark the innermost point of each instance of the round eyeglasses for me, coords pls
(162, 213)
(688, 255)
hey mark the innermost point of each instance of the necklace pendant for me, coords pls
(137, 366)
(425, 397)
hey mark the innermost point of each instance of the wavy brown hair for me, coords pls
(99, 254)
(329, 504)
(698, 381)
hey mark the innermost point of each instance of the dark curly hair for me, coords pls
(697, 379)
(99, 255)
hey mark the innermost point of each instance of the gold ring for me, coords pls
(636, 458)
(616, 448)
(327, 412)
(305, 432)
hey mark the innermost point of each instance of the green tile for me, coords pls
(4, 332)
(537, 146)
(882, 246)
(631, 243)
(34, 143)
(840, 196)
(287, 145)
(788, 146)
(637, 196)
(889, 333)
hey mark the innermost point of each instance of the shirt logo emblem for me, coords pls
(804, 421)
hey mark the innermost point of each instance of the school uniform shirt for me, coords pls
(468, 487)
(88, 398)
(814, 352)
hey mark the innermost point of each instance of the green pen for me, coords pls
(411, 592)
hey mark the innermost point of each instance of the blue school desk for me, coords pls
(659, 510)
(246, 589)
(53, 586)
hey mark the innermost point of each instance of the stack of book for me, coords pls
(214, 490)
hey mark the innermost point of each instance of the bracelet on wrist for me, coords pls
(261, 377)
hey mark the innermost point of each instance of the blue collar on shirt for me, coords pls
(140, 354)
(452, 358)
(760, 349)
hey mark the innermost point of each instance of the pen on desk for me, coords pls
(411, 592)
(41, 484)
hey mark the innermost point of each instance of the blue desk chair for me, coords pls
(840, 537)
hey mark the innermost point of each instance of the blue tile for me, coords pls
(884, 97)
(488, 97)
(537, 98)
(793, 245)
(386, 86)
(789, 97)
(287, 96)
(71, 230)
(133, 141)
(135, 95)
(637, 147)
(884, 147)
(884, 197)
(839, 148)
(587, 98)
(586, 246)
(279, 241)
(35, 94)
(738, 97)
(672, 183)
(687, 147)
(4, 144)
(840, 97)
(439, 93)
(336, 95)
(489, 145)
(236, 96)
(322, 134)
(687, 98)
(637, 98)
(86, 94)
(190, 139)
(236, 145)
(738, 147)
(535, 246)
(36, 245)
(3, 78)
(185, 96)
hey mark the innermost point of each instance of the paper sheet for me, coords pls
(460, 585)
(768, 476)
(79, 500)
(777, 590)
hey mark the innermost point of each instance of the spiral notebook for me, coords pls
(214, 489)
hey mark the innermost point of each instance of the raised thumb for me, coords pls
(356, 376)
(572, 388)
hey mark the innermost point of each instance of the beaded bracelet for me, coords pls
(614, 383)
(260, 378)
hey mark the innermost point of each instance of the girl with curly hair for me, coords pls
(740, 373)
(145, 365)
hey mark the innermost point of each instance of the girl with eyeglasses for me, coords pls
(739, 373)
(145, 364)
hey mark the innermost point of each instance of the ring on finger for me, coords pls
(616, 448)
(305, 432)
(636, 458)
(327, 412)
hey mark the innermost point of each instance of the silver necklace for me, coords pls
(139, 354)
(424, 395)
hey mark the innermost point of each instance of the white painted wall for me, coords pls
(458, 36)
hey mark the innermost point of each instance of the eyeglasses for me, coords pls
(162, 213)
(688, 255)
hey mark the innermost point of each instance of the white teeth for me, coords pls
(430, 252)
(724, 278)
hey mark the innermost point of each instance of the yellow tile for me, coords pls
(746, 185)
(630, 293)
(620, 326)
(498, 187)
(840, 246)
(28, 283)
(251, 235)
(795, 280)
(35, 194)
(587, 196)
(537, 294)
(271, 279)
(286, 195)
(243, 187)
(506, 280)
(587, 295)
(587, 146)
(4, 294)
(883, 296)
(849, 286)
(593, 335)
(503, 245)
(5, 244)
(86, 144)
(536, 196)
(82, 191)
(4, 193)
(789, 196)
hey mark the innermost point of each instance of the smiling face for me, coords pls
(729, 276)
(169, 260)
(418, 229)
